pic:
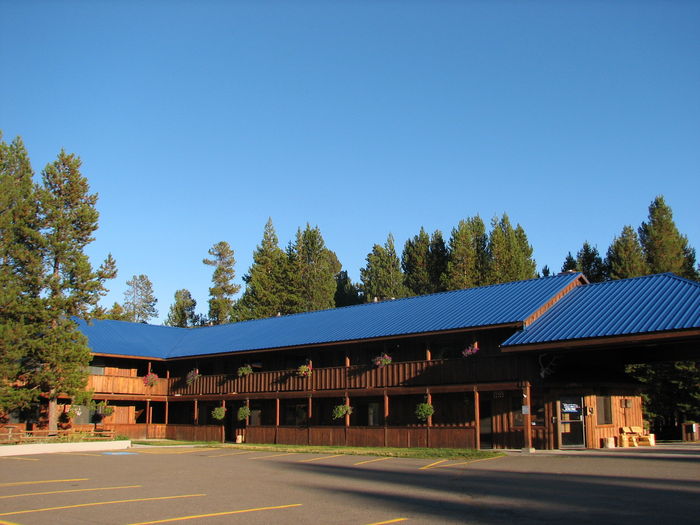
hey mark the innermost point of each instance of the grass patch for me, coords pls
(427, 453)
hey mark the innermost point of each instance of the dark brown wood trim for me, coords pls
(124, 356)
(546, 306)
(620, 340)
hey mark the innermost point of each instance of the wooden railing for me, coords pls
(409, 373)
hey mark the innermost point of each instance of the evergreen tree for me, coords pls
(589, 262)
(316, 267)
(223, 289)
(139, 300)
(73, 288)
(117, 313)
(182, 312)
(381, 277)
(21, 274)
(625, 257)
(569, 263)
(415, 264)
(467, 258)
(347, 293)
(510, 254)
(265, 285)
(546, 272)
(437, 262)
(665, 249)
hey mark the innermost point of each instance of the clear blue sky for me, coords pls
(198, 120)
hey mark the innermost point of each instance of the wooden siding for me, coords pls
(109, 384)
(179, 432)
(443, 437)
(621, 417)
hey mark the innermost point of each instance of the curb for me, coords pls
(50, 448)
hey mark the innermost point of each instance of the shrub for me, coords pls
(219, 413)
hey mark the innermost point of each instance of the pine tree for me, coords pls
(21, 274)
(263, 295)
(569, 263)
(437, 262)
(665, 249)
(221, 302)
(415, 264)
(73, 288)
(467, 255)
(182, 312)
(589, 262)
(625, 257)
(510, 254)
(347, 293)
(316, 267)
(381, 277)
(546, 272)
(139, 300)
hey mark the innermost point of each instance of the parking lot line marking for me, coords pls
(167, 451)
(230, 454)
(373, 460)
(432, 464)
(214, 514)
(100, 503)
(8, 523)
(322, 457)
(468, 462)
(275, 455)
(68, 490)
(389, 521)
(20, 459)
(78, 454)
(15, 483)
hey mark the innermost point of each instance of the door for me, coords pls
(571, 430)
(485, 422)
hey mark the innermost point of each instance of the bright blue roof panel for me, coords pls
(475, 307)
(654, 303)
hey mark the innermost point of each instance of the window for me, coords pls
(604, 410)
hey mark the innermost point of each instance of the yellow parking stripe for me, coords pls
(432, 464)
(275, 455)
(389, 521)
(100, 503)
(373, 460)
(230, 454)
(16, 483)
(19, 459)
(322, 457)
(170, 451)
(193, 517)
(7, 523)
(468, 462)
(69, 490)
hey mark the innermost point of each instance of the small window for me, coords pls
(604, 410)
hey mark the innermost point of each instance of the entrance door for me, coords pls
(485, 422)
(571, 431)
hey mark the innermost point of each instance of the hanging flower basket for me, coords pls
(192, 376)
(340, 411)
(381, 360)
(150, 379)
(245, 370)
(471, 349)
(243, 413)
(219, 413)
(424, 411)
(305, 371)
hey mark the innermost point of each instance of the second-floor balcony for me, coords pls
(407, 373)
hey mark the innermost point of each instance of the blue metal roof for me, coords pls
(653, 303)
(475, 307)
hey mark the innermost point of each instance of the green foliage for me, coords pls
(437, 262)
(139, 300)
(467, 259)
(414, 263)
(243, 413)
(182, 312)
(192, 376)
(347, 293)
(625, 257)
(304, 371)
(102, 409)
(219, 413)
(588, 262)
(381, 277)
(265, 286)
(510, 254)
(424, 411)
(340, 411)
(245, 370)
(223, 289)
(665, 249)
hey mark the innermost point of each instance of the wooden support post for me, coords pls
(347, 416)
(527, 419)
(166, 411)
(386, 406)
(310, 412)
(148, 411)
(429, 400)
(428, 353)
(277, 417)
(477, 422)
(247, 419)
(347, 361)
(149, 367)
(196, 412)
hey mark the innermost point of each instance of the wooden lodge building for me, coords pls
(527, 364)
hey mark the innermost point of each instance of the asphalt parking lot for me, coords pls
(226, 485)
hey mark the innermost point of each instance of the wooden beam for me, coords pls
(347, 415)
(477, 417)
(196, 411)
(277, 411)
(527, 418)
